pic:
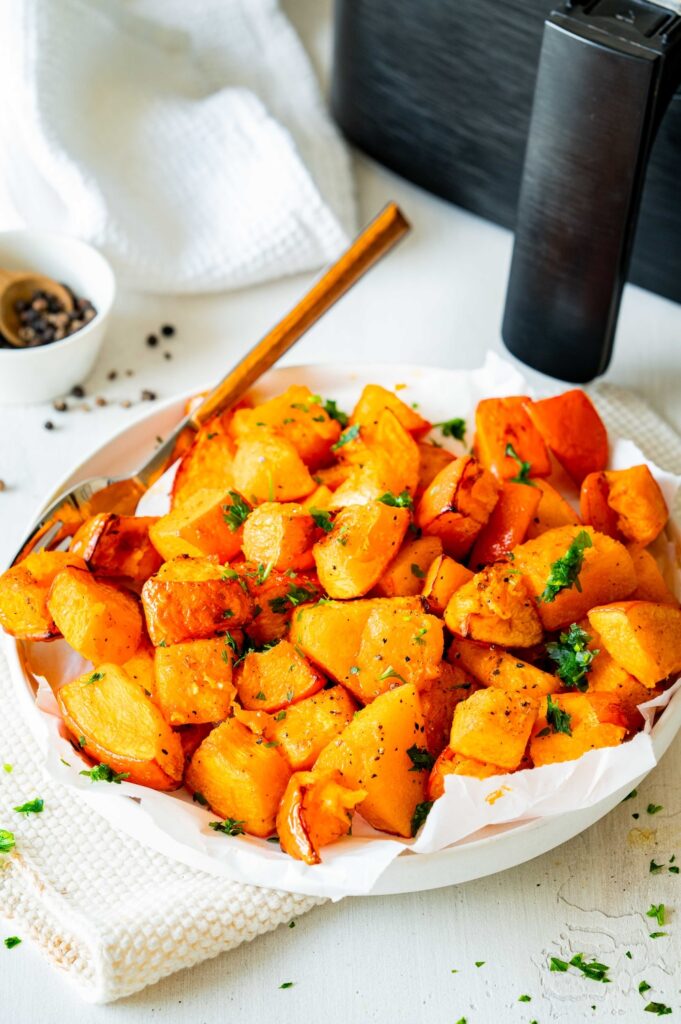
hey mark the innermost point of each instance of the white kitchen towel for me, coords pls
(188, 141)
(115, 916)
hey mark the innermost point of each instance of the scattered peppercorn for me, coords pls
(60, 405)
(78, 391)
(43, 318)
(112, 374)
(100, 400)
(148, 396)
(167, 330)
(48, 424)
(152, 340)
(167, 355)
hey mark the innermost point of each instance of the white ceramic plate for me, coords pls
(488, 851)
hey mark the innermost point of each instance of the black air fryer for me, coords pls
(563, 123)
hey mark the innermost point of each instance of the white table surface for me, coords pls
(438, 300)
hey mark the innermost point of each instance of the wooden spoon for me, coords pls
(20, 285)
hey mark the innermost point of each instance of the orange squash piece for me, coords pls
(644, 638)
(607, 574)
(24, 590)
(439, 698)
(207, 464)
(449, 763)
(373, 402)
(650, 583)
(635, 497)
(114, 545)
(573, 430)
(587, 731)
(407, 571)
(457, 504)
(276, 596)
(240, 777)
(492, 666)
(296, 415)
(387, 463)
(194, 681)
(606, 676)
(114, 723)
(508, 524)
(396, 647)
(193, 599)
(316, 810)
(432, 459)
(494, 726)
(553, 511)
(303, 729)
(594, 507)
(503, 421)
(495, 607)
(372, 754)
(267, 467)
(280, 535)
(203, 524)
(270, 680)
(365, 538)
(101, 622)
(443, 577)
(140, 668)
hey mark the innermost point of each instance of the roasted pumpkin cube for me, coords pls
(457, 504)
(495, 607)
(407, 571)
(302, 730)
(449, 763)
(439, 698)
(114, 723)
(388, 463)
(594, 507)
(316, 810)
(193, 599)
(24, 590)
(373, 402)
(270, 680)
(580, 730)
(206, 523)
(606, 574)
(280, 535)
(372, 753)
(553, 510)
(194, 681)
(573, 430)
(296, 415)
(508, 524)
(100, 621)
(396, 647)
(492, 666)
(140, 668)
(606, 676)
(443, 577)
(432, 459)
(643, 637)
(500, 422)
(352, 558)
(650, 583)
(636, 498)
(493, 725)
(207, 464)
(277, 596)
(115, 545)
(239, 776)
(267, 467)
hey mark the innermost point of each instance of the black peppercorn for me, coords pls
(152, 340)
(167, 330)
(78, 391)
(48, 424)
(148, 396)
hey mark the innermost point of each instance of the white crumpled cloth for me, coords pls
(188, 141)
(115, 916)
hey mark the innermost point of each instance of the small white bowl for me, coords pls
(46, 371)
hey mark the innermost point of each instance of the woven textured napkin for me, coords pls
(115, 916)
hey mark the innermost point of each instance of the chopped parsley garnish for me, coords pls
(594, 970)
(228, 573)
(455, 427)
(236, 514)
(644, 987)
(571, 655)
(659, 1008)
(272, 743)
(653, 868)
(12, 941)
(422, 760)
(656, 910)
(417, 571)
(524, 999)
(421, 812)
(280, 716)
(292, 924)
(94, 678)
(556, 964)
(263, 572)
(524, 468)
(229, 827)
(322, 519)
(402, 500)
(37, 806)
(82, 742)
(390, 673)
(7, 768)
(351, 434)
(657, 935)
(296, 595)
(103, 773)
(260, 695)
(199, 798)
(565, 571)
(479, 963)
(630, 796)
(286, 984)
(228, 613)
(331, 409)
(231, 642)
(558, 719)
(6, 840)
(419, 635)
(653, 808)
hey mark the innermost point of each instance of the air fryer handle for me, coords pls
(606, 73)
